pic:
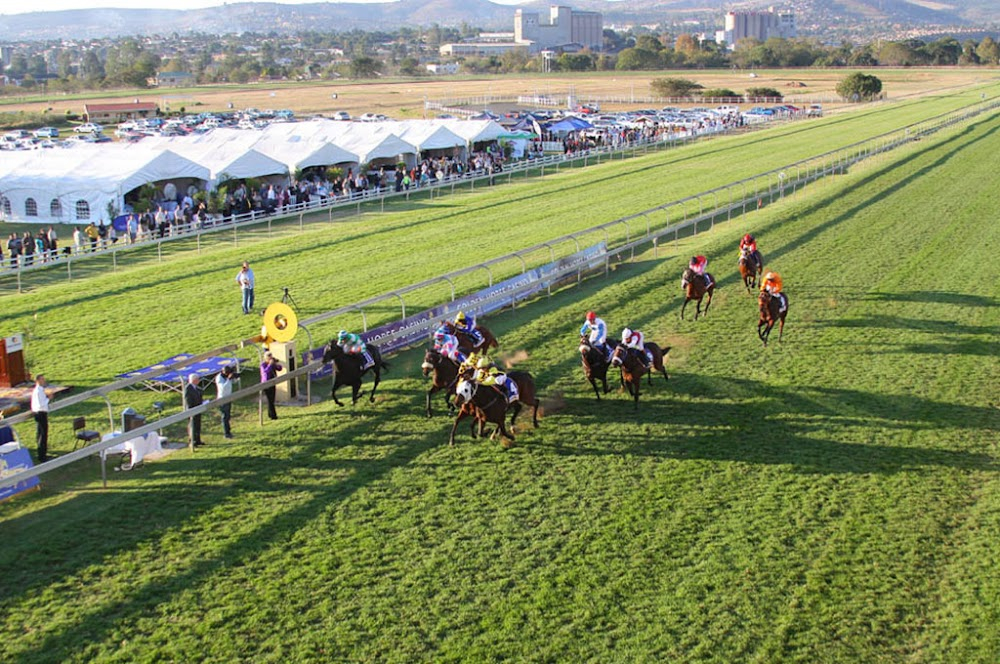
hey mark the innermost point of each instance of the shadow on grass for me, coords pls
(937, 297)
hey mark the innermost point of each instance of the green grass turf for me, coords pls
(833, 498)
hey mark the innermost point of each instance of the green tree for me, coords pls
(515, 61)
(988, 51)
(365, 67)
(64, 64)
(674, 87)
(409, 67)
(637, 58)
(770, 93)
(649, 42)
(91, 68)
(575, 62)
(859, 87)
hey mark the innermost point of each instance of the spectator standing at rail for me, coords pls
(132, 227)
(192, 398)
(40, 409)
(28, 247)
(77, 240)
(223, 388)
(269, 369)
(53, 241)
(91, 232)
(246, 281)
(13, 250)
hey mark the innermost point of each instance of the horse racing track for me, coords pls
(834, 497)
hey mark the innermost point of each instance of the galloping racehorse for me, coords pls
(659, 355)
(595, 365)
(465, 341)
(751, 265)
(348, 369)
(773, 309)
(695, 288)
(490, 405)
(445, 377)
(632, 370)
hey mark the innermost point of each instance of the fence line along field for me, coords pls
(832, 498)
(405, 98)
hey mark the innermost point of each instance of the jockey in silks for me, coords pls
(447, 345)
(635, 342)
(771, 283)
(352, 344)
(749, 244)
(469, 364)
(487, 373)
(467, 324)
(598, 331)
(697, 266)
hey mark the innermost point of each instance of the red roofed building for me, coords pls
(114, 113)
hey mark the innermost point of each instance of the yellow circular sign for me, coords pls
(280, 322)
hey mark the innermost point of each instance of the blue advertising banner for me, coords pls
(12, 463)
(417, 328)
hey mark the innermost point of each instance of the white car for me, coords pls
(341, 115)
(88, 128)
(47, 132)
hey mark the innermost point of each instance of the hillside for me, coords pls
(819, 17)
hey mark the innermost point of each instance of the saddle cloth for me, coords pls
(782, 303)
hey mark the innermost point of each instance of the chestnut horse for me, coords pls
(696, 286)
(773, 309)
(465, 342)
(751, 265)
(595, 365)
(348, 370)
(445, 377)
(633, 369)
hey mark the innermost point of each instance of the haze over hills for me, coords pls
(264, 17)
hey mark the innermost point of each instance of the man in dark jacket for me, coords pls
(192, 398)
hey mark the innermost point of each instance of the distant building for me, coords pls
(757, 25)
(563, 26)
(564, 30)
(174, 79)
(447, 68)
(477, 49)
(6, 55)
(113, 113)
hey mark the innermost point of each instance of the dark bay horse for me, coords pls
(465, 342)
(633, 369)
(659, 355)
(595, 365)
(696, 286)
(348, 371)
(487, 401)
(445, 376)
(751, 265)
(487, 406)
(773, 309)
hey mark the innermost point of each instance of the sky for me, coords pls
(8, 7)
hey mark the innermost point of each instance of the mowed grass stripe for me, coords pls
(739, 514)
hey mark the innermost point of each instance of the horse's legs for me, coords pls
(709, 303)
(593, 383)
(333, 392)
(781, 328)
(458, 418)
(534, 413)
(684, 306)
(355, 391)
(434, 388)
(378, 377)
(516, 407)
(697, 311)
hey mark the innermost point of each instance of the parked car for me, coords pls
(341, 115)
(88, 128)
(815, 111)
(47, 132)
(16, 135)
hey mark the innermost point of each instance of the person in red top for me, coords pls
(698, 264)
(749, 244)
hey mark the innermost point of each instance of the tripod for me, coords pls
(287, 298)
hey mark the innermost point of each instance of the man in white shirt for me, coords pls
(246, 282)
(223, 388)
(40, 408)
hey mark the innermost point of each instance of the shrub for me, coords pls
(859, 87)
(721, 92)
(764, 92)
(674, 87)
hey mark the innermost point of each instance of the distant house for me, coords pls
(447, 68)
(114, 113)
(174, 79)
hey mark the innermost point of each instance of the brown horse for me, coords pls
(659, 355)
(484, 404)
(445, 376)
(773, 309)
(595, 365)
(633, 369)
(526, 395)
(751, 265)
(465, 342)
(696, 286)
